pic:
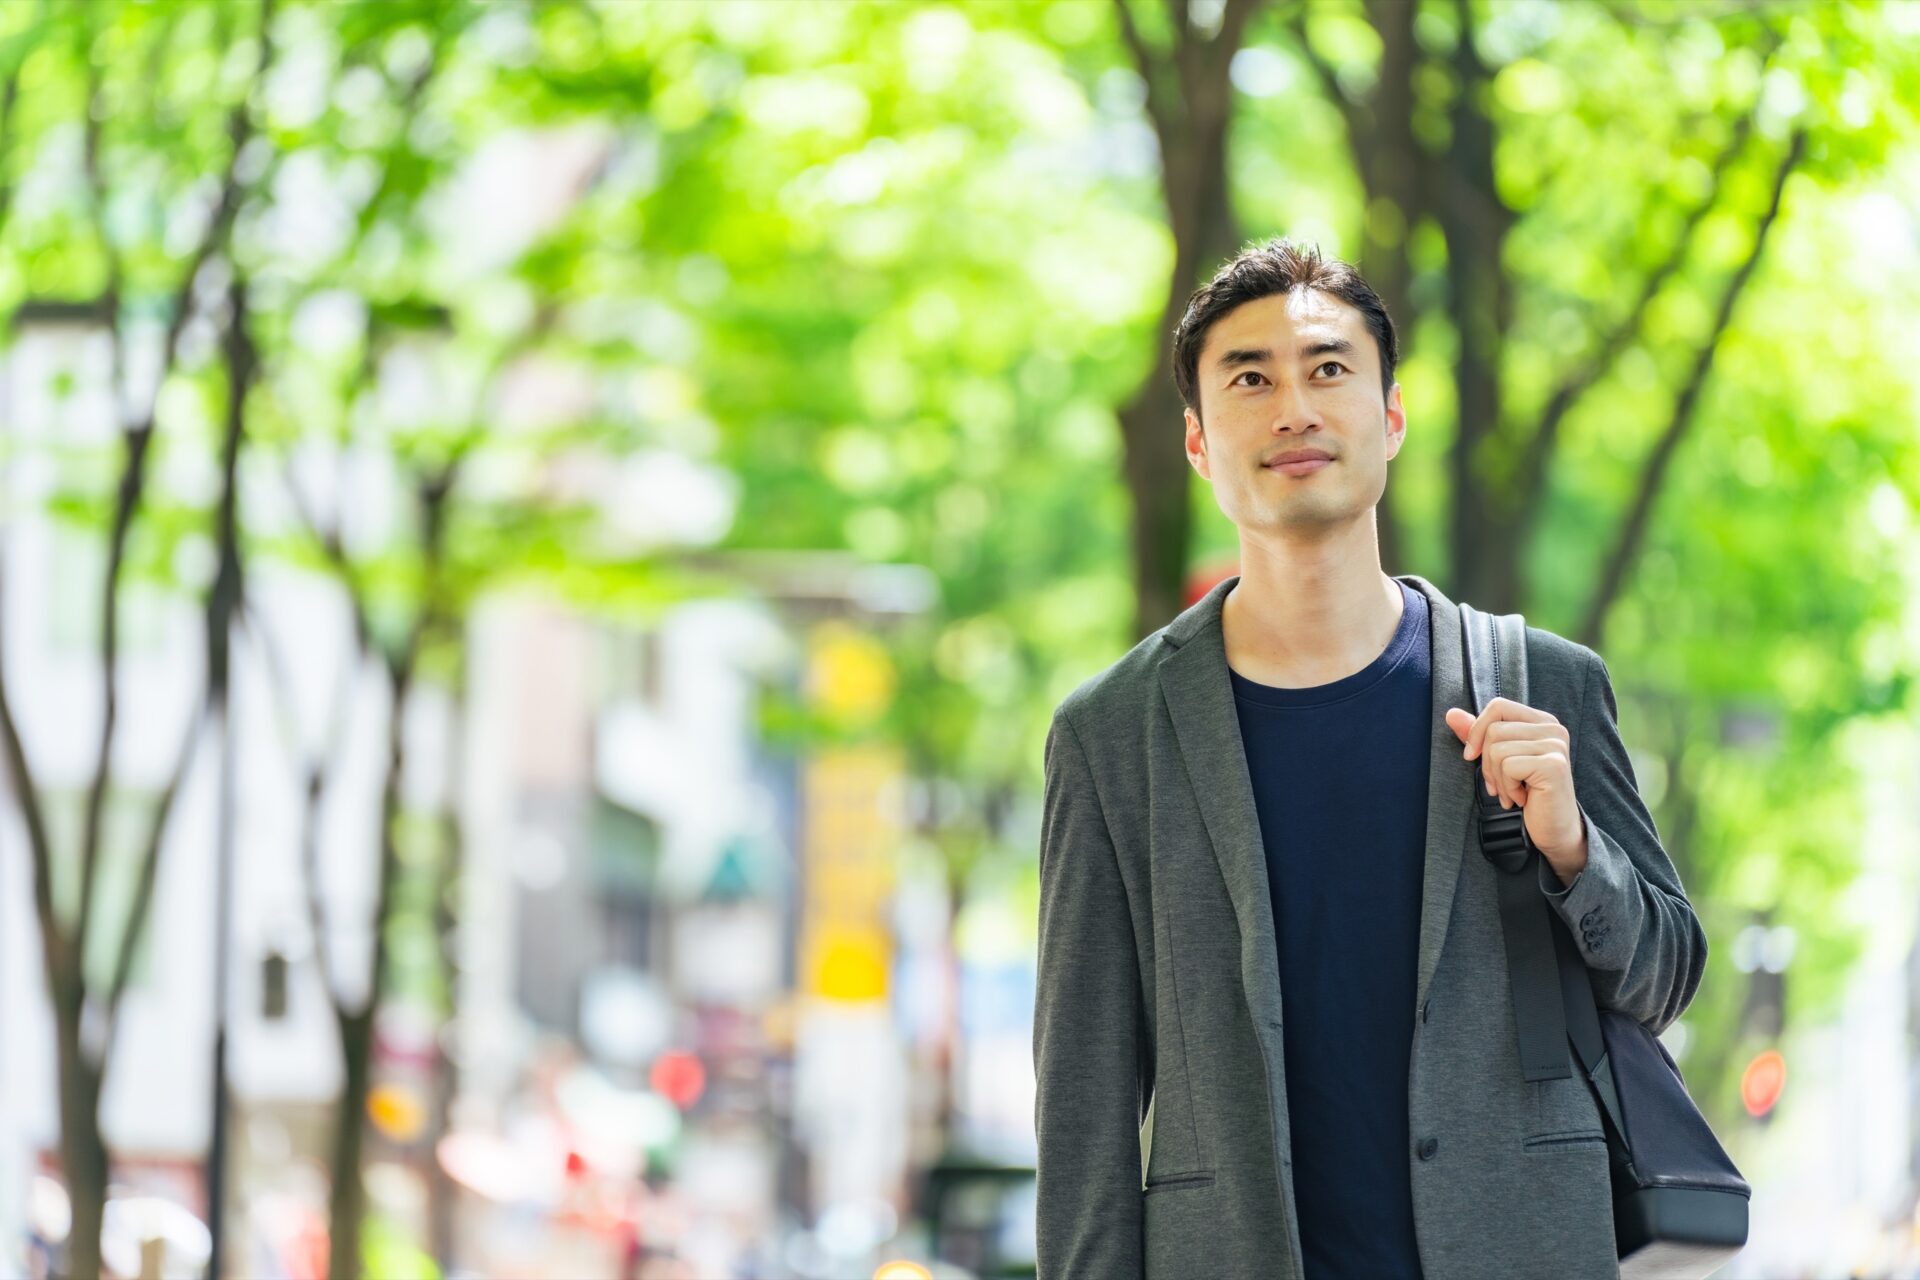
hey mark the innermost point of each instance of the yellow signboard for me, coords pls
(851, 829)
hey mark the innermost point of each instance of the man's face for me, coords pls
(1288, 372)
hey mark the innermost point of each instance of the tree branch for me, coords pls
(434, 491)
(409, 96)
(223, 598)
(315, 775)
(1147, 61)
(240, 131)
(53, 939)
(1187, 51)
(317, 772)
(1633, 528)
(128, 496)
(1359, 135)
(1466, 54)
(1530, 479)
(138, 437)
(1531, 476)
(1476, 223)
(140, 908)
(9, 95)
(329, 541)
(1233, 30)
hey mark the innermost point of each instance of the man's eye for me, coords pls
(1335, 363)
(1256, 373)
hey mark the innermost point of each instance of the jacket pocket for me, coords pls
(1563, 1106)
(1181, 1234)
(1549, 1143)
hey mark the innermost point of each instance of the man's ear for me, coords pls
(1396, 421)
(1197, 445)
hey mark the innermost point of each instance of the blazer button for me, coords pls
(1428, 1146)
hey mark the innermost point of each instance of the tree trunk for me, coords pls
(346, 1199)
(1190, 100)
(1476, 221)
(1152, 425)
(1162, 502)
(442, 1194)
(83, 1152)
(1395, 170)
(952, 1054)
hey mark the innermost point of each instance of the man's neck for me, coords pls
(1302, 616)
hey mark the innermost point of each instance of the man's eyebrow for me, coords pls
(1237, 356)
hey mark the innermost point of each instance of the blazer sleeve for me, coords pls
(1627, 911)
(1087, 1035)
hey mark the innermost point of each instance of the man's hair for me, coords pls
(1276, 266)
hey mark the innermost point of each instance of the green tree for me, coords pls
(191, 196)
(430, 333)
(136, 251)
(940, 253)
(1608, 220)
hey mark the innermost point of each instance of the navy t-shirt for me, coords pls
(1340, 783)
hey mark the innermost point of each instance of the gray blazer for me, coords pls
(1162, 1102)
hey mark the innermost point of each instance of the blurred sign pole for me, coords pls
(850, 1083)
(850, 834)
(851, 1071)
(849, 876)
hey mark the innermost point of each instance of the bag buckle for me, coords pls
(1503, 836)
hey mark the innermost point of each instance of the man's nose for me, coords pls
(1291, 408)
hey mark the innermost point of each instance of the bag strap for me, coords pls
(1553, 1001)
(1495, 655)
(1583, 1028)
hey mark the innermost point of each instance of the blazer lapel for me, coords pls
(1200, 701)
(1449, 783)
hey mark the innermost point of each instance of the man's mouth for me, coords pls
(1300, 466)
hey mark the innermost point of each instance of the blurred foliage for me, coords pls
(918, 253)
(260, 220)
(893, 268)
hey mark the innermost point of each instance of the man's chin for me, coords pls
(1294, 519)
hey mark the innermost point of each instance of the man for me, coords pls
(1272, 794)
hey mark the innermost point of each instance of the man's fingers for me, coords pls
(1490, 771)
(1477, 732)
(1495, 769)
(1518, 730)
(1506, 754)
(1521, 757)
(1512, 739)
(1496, 711)
(1522, 723)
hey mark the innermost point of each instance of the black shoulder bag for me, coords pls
(1679, 1205)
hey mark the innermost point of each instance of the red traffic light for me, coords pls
(678, 1077)
(1762, 1081)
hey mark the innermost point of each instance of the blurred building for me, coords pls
(636, 874)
